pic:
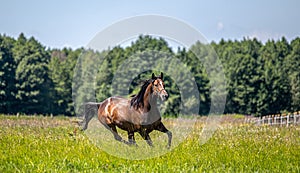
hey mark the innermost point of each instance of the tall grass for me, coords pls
(41, 144)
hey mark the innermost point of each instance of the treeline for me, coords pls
(260, 78)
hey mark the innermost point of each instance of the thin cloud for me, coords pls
(220, 26)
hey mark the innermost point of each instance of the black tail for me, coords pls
(90, 109)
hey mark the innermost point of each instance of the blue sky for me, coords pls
(74, 23)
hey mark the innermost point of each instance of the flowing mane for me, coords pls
(138, 100)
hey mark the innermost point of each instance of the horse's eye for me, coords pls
(155, 85)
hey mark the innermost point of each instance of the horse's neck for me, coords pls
(153, 101)
(150, 101)
(150, 113)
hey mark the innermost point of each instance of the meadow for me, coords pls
(47, 144)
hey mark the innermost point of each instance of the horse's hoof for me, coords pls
(135, 145)
(151, 146)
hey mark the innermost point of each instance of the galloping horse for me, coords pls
(138, 114)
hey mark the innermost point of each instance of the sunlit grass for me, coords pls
(43, 144)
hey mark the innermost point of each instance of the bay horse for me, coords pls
(137, 114)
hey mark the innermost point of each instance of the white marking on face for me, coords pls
(161, 84)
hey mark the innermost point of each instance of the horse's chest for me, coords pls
(150, 127)
(149, 118)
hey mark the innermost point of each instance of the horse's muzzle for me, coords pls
(164, 97)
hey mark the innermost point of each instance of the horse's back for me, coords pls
(116, 110)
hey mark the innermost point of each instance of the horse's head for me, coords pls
(158, 87)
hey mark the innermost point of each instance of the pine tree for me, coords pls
(61, 68)
(7, 75)
(292, 66)
(32, 76)
(274, 94)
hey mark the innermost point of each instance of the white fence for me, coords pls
(282, 120)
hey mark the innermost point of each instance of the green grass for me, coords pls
(43, 144)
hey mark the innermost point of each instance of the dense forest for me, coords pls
(261, 78)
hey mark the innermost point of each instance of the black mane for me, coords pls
(137, 100)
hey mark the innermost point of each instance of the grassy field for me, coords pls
(44, 144)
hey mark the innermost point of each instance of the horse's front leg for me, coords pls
(160, 127)
(131, 139)
(146, 137)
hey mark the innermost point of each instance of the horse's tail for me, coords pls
(90, 109)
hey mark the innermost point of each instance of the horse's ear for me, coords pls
(161, 75)
(153, 76)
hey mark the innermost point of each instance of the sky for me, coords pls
(73, 23)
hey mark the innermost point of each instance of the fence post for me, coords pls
(282, 119)
(260, 120)
(277, 119)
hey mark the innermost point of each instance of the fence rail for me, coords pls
(282, 120)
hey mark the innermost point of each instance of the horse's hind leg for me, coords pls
(88, 114)
(113, 129)
(86, 120)
(163, 129)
